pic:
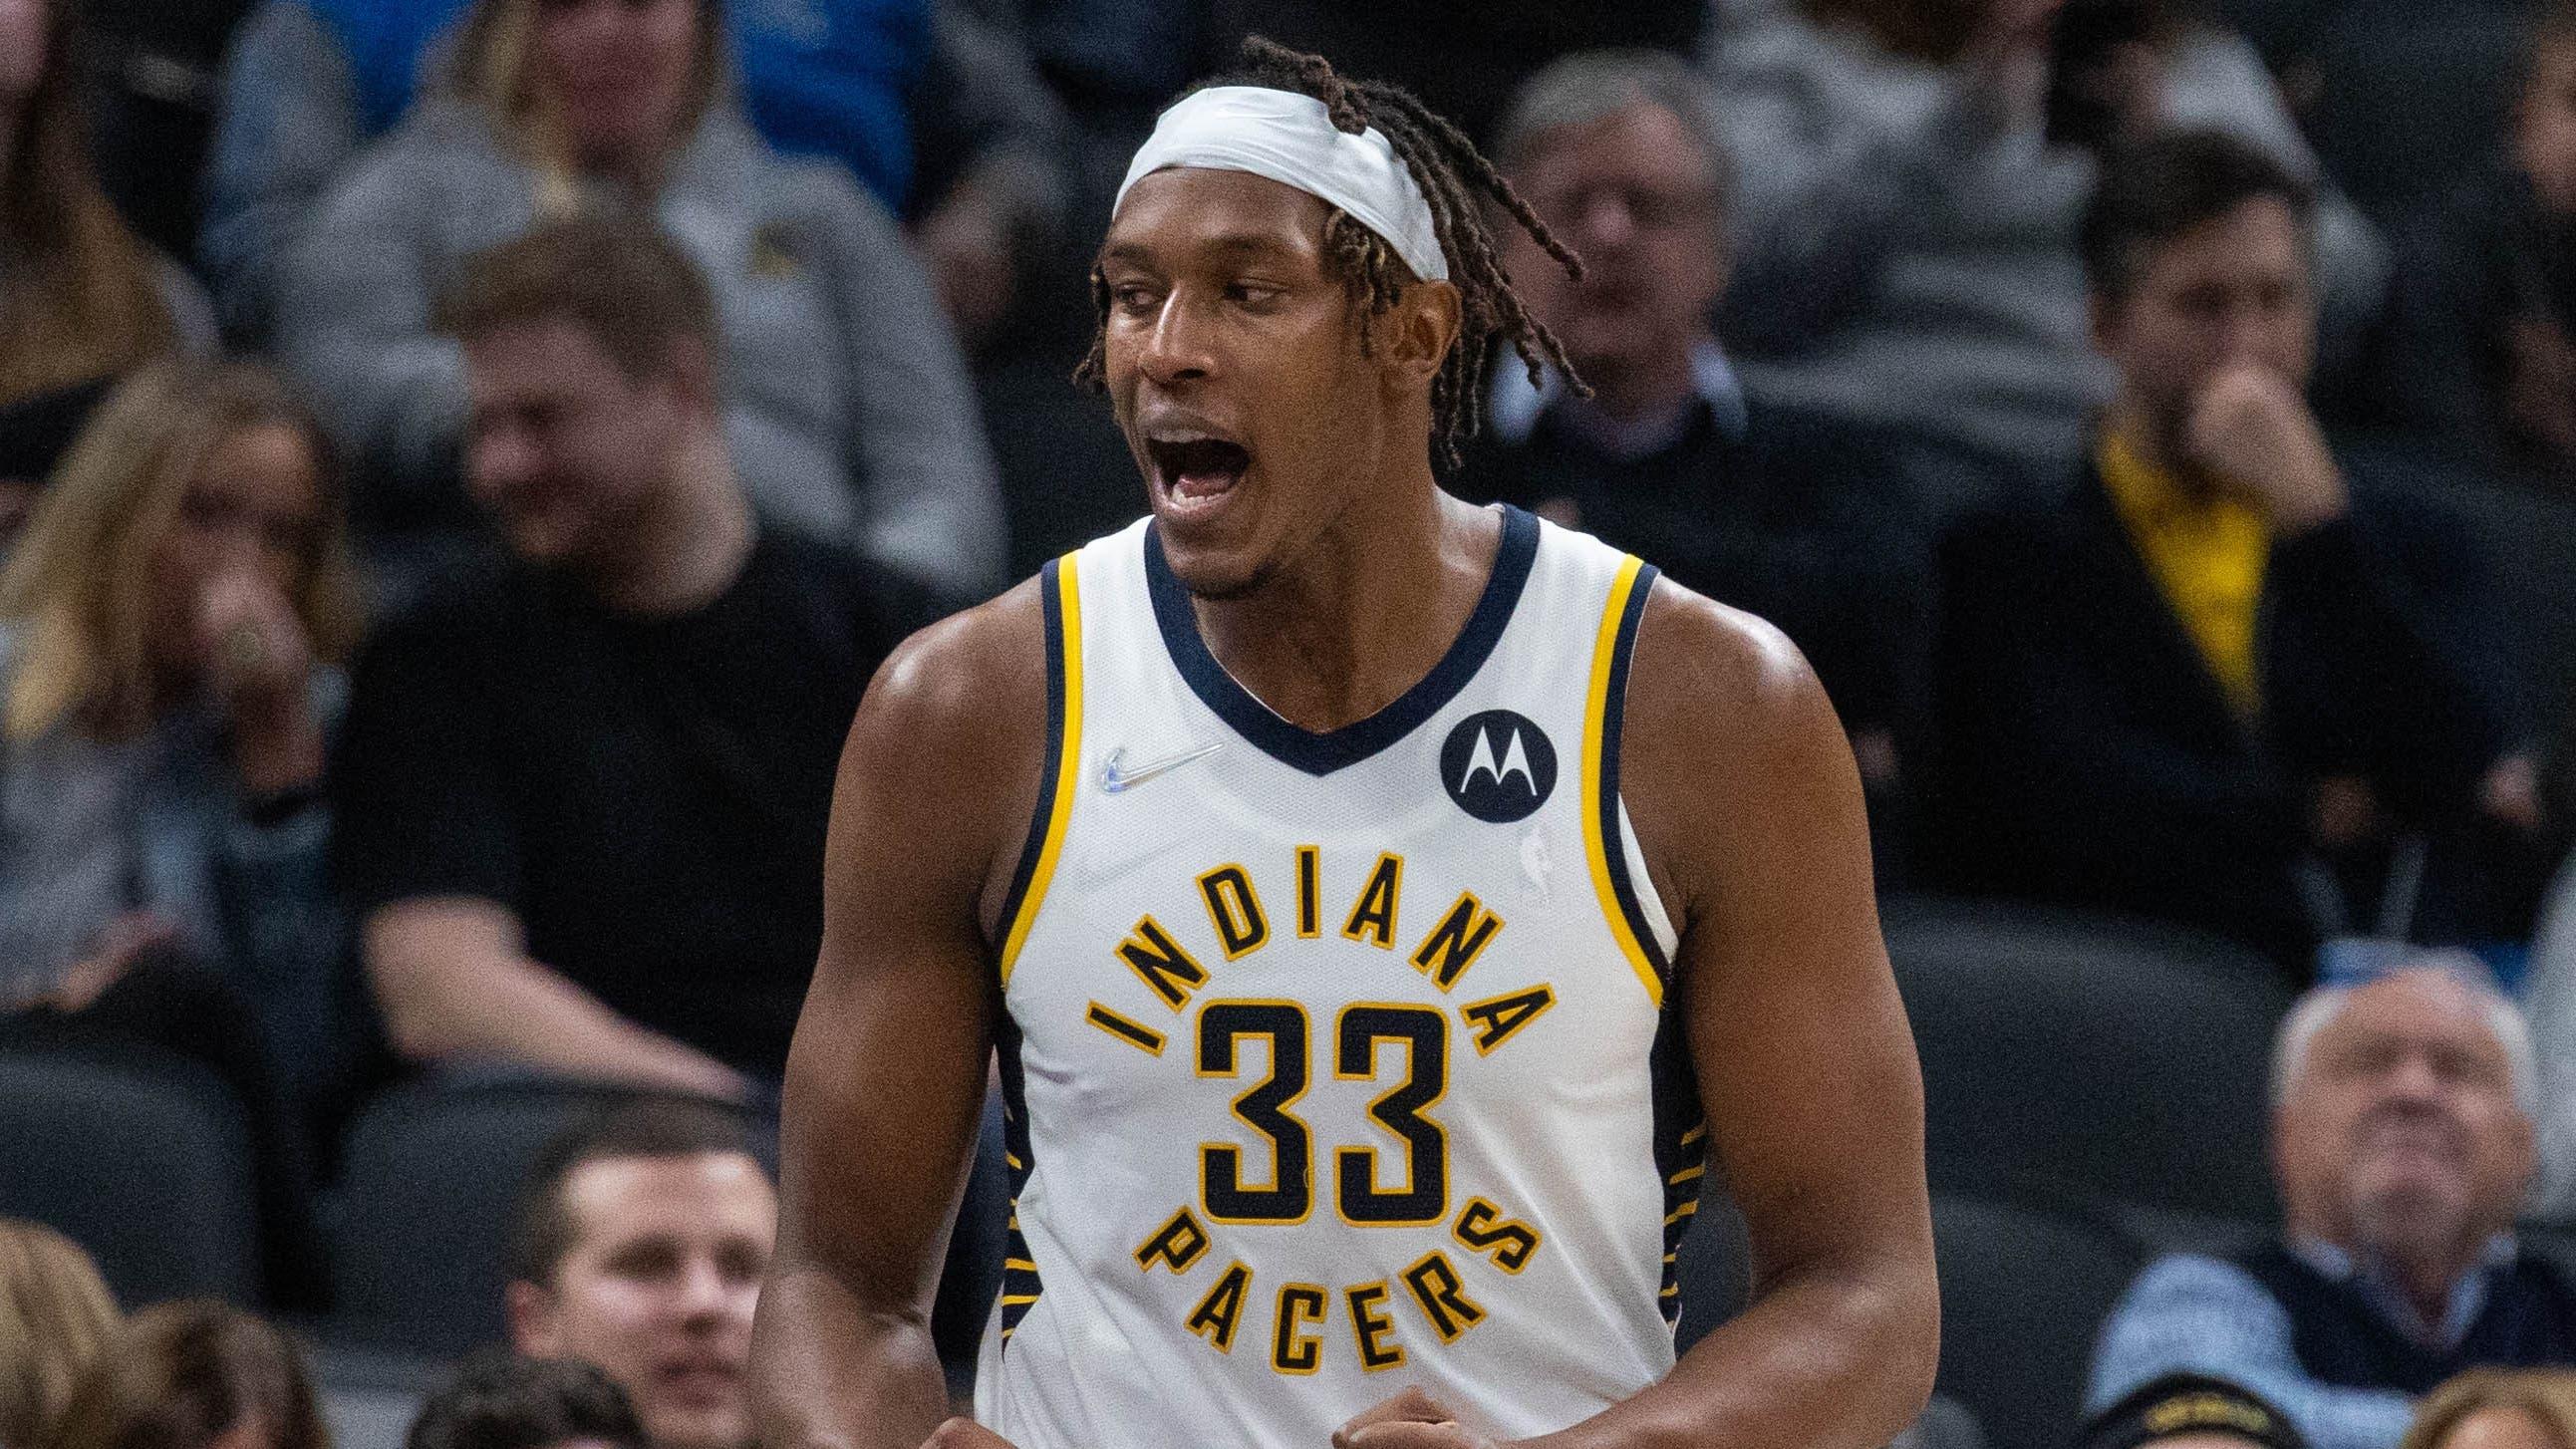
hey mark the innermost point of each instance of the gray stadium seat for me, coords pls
(145, 1163)
(369, 1397)
(2023, 1292)
(420, 1234)
(432, 1171)
(2080, 1058)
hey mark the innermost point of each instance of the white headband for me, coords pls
(1292, 140)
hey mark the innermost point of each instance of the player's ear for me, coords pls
(1414, 337)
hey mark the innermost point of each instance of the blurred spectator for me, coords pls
(35, 433)
(2210, 686)
(1670, 457)
(195, 1375)
(2499, 1409)
(55, 1319)
(171, 630)
(1464, 61)
(2402, 1144)
(938, 112)
(1906, 232)
(499, 1400)
(2482, 348)
(151, 71)
(583, 806)
(2549, 992)
(2190, 1411)
(172, 627)
(80, 297)
(639, 1243)
(844, 401)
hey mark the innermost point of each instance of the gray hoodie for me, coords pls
(1905, 245)
(848, 407)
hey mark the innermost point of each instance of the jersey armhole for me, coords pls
(1609, 842)
(1060, 595)
(1657, 917)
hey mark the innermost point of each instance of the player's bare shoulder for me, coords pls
(1726, 726)
(951, 736)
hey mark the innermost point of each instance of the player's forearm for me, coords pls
(829, 1372)
(1835, 1358)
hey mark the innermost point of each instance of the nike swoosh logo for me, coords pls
(1115, 777)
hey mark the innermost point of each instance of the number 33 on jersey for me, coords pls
(1335, 1062)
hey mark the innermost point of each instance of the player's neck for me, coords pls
(1345, 630)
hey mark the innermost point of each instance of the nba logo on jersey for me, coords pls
(1312, 1087)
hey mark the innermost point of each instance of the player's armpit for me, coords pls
(1749, 809)
(886, 1077)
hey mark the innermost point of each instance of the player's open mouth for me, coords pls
(1197, 469)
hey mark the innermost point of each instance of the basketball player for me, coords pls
(1365, 893)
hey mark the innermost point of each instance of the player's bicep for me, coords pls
(886, 1078)
(1805, 1063)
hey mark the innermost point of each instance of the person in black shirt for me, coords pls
(584, 807)
(1669, 458)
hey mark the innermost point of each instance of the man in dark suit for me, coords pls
(1669, 457)
(2214, 682)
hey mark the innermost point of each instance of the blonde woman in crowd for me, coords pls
(80, 297)
(2498, 1409)
(847, 408)
(172, 626)
(55, 1317)
(194, 1375)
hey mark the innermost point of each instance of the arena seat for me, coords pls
(421, 1227)
(2086, 1059)
(143, 1160)
(2024, 1289)
(369, 1396)
(429, 1180)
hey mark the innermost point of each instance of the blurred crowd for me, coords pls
(462, 460)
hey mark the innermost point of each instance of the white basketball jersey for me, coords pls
(1334, 1063)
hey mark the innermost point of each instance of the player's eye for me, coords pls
(1253, 294)
(1132, 297)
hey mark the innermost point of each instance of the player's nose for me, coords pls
(1178, 347)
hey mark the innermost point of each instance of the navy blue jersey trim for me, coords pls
(1680, 1136)
(1051, 599)
(1322, 754)
(1020, 1285)
(1613, 710)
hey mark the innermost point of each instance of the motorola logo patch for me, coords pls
(1498, 767)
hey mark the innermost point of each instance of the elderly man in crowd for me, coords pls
(1785, 514)
(2402, 1142)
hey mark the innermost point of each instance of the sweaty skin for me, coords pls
(1311, 589)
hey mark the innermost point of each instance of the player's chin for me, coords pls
(1217, 572)
(1213, 541)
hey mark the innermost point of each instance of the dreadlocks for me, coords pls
(1451, 172)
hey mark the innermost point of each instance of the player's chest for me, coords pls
(1341, 974)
